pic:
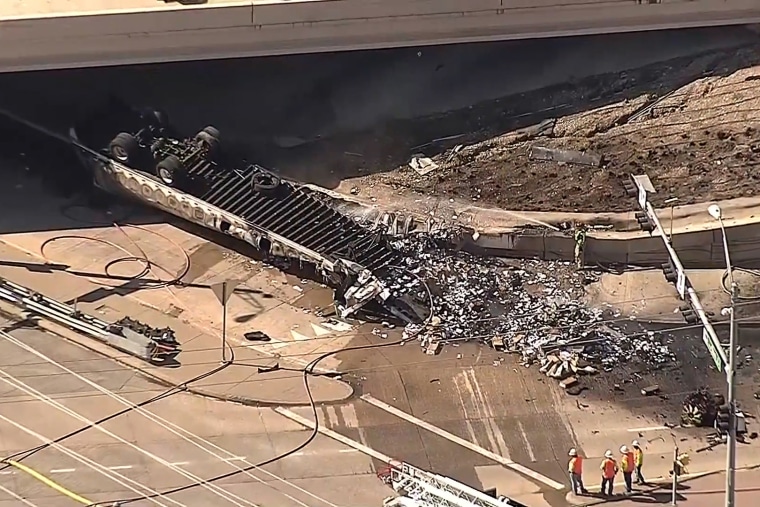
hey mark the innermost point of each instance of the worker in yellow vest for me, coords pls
(627, 464)
(609, 469)
(638, 461)
(575, 469)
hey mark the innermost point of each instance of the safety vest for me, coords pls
(576, 465)
(627, 462)
(609, 468)
(638, 457)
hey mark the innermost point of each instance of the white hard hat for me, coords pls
(572, 452)
(635, 443)
(608, 454)
(624, 449)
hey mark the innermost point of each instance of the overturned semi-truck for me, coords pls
(137, 153)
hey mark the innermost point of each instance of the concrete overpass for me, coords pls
(50, 34)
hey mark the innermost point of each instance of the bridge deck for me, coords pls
(16, 9)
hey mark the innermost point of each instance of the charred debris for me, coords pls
(535, 309)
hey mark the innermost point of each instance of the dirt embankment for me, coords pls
(696, 137)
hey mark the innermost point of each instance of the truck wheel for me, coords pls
(124, 147)
(209, 143)
(265, 182)
(168, 168)
(213, 132)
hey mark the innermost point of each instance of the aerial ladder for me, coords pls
(419, 488)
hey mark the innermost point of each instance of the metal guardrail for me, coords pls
(118, 337)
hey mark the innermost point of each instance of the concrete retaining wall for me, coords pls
(697, 250)
(284, 27)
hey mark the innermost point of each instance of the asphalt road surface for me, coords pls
(176, 442)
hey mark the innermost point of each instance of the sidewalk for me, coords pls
(701, 491)
(201, 350)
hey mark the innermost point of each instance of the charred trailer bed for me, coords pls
(136, 153)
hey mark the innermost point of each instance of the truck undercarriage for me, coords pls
(139, 154)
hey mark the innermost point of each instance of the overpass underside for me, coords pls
(36, 35)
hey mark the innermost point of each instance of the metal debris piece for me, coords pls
(700, 408)
(422, 165)
(566, 156)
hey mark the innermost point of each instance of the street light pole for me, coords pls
(716, 213)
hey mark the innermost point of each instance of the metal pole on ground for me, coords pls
(223, 291)
(672, 202)
(716, 213)
(674, 497)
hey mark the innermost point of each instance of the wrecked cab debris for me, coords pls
(137, 153)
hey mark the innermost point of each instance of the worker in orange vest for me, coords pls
(575, 469)
(627, 464)
(638, 460)
(609, 469)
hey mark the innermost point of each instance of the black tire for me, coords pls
(265, 182)
(124, 147)
(209, 143)
(213, 132)
(168, 168)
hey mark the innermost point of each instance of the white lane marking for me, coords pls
(128, 483)
(6, 472)
(179, 463)
(467, 422)
(17, 496)
(62, 470)
(332, 416)
(648, 428)
(181, 432)
(490, 419)
(350, 419)
(234, 458)
(333, 434)
(528, 447)
(11, 380)
(465, 443)
(347, 450)
(120, 467)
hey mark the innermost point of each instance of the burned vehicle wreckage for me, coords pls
(137, 153)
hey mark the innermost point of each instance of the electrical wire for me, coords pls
(726, 286)
(486, 356)
(142, 257)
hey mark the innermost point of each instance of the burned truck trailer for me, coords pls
(137, 153)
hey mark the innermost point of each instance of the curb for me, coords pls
(16, 314)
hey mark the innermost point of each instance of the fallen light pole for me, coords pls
(717, 214)
(675, 273)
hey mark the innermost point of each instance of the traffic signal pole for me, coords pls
(731, 442)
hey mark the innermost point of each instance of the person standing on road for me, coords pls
(627, 464)
(609, 470)
(575, 468)
(638, 460)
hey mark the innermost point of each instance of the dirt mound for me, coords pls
(696, 137)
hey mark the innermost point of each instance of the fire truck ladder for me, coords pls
(433, 490)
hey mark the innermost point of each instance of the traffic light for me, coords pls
(643, 219)
(670, 272)
(723, 419)
(689, 315)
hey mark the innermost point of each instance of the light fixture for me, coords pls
(714, 211)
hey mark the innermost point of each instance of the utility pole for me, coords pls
(223, 291)
(731, 453)
(674, 497)
(716, 213)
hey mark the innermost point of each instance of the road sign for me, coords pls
(681, 283)
(223, 290)
(713, 347)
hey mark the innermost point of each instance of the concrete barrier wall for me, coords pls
(283, 27)
(697, 250)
